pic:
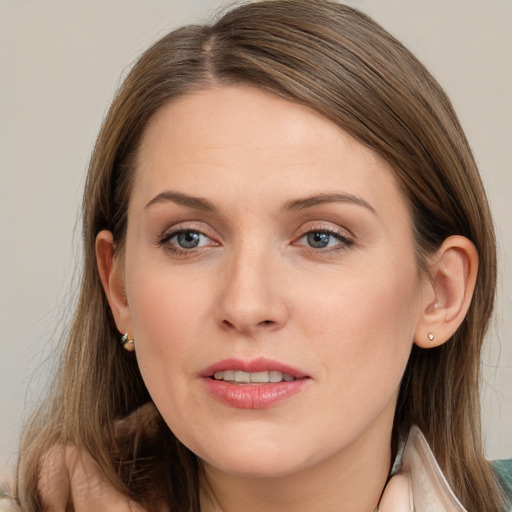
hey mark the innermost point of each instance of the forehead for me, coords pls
(245, 141)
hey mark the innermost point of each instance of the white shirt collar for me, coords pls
(419, 485)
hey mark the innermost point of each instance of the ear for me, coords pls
(448, 291)
(112, 278)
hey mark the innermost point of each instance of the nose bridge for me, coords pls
(250, 298)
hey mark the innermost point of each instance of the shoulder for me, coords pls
(503, 469)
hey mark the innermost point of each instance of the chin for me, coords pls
(260, 465)
(258, 456)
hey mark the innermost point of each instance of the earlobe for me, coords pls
(111, 275)
(449, 290)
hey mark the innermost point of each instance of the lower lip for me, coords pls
(254, 396)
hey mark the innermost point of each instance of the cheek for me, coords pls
(365, 325)
(168, 316)
(164, 300)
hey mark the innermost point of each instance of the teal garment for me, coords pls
(503, 470)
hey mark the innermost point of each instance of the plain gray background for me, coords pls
(60, 62)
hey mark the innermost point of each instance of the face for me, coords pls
(264, 244)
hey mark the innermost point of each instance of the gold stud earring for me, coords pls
(430, 336)
(127, 342)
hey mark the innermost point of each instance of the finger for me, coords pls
(397, 495)
(90, 489)
(53, 483)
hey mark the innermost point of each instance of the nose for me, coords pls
(252, 297)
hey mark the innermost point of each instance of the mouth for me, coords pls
(255, 384)
(264, 377)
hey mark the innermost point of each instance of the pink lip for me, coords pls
(253, 396)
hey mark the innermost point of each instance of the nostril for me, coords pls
(264, 325)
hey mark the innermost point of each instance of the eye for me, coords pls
(188, 239)
(320, 240)
(324, 239)
(185, 240)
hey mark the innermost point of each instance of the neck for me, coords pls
(351, 480)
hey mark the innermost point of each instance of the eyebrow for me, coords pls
(309, 202)
(199, 203)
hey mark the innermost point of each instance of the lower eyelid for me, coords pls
(168, 242)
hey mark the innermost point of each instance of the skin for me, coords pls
(346, 315)
(68, 475)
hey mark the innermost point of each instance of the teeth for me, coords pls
(275, 376)
(228, 375)
(260, 377)
(253, 377)
(242, 377)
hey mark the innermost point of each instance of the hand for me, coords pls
(69, 476)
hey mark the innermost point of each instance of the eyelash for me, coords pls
(164, 241)
(344, 241)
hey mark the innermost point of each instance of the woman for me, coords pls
(285, 228)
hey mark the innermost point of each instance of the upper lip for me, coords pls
(260, 364)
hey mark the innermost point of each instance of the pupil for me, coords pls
(188, 240)
(318, 240)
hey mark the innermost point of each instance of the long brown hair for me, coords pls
(340, 63)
